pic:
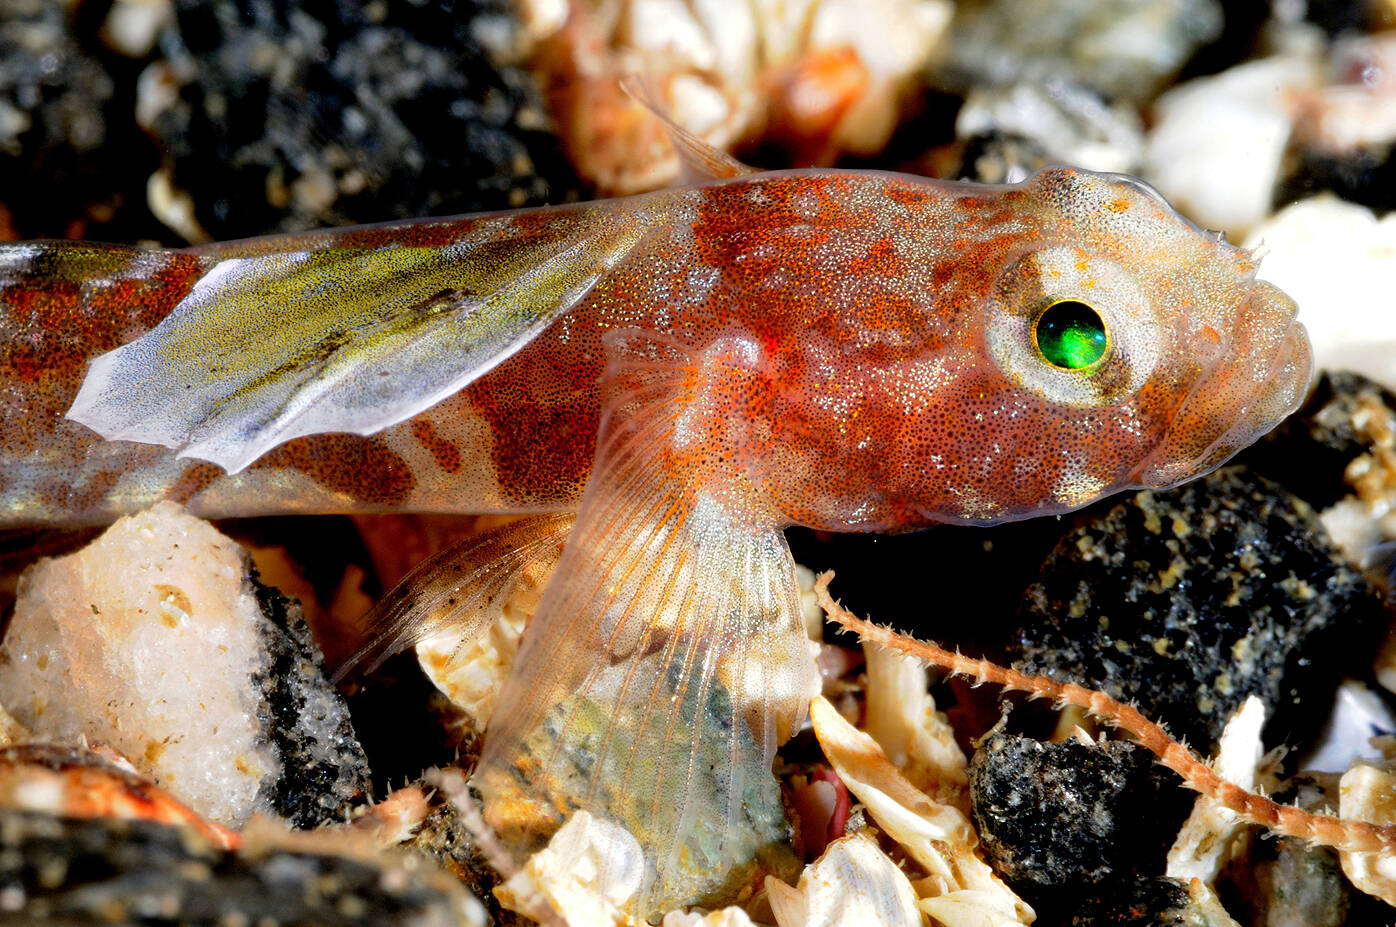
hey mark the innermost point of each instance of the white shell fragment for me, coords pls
(1358, 713)
(854, 882)
(146, 640)
(584, 877)
(132, 27)
(11, 731)
(901, 716)
(471, 673)
(936, 836)
(728, 70)
(1205, 842)
(1072, 125)
(1205, 908)
(1337, 261)
(1217, 141)
(1368, 793)
(810, 612)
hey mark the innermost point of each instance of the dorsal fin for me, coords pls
(698, 161)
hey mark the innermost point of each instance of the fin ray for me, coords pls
(698, 160)
(462, 588)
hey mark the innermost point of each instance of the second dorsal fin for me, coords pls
(698, 161)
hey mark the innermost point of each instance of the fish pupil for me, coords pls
(1070, 335)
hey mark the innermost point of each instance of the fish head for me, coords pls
(1113, 345)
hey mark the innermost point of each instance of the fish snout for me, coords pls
(1263, 377)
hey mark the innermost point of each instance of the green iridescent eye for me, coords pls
(1071, 335)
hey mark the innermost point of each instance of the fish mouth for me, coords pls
(1263, 377)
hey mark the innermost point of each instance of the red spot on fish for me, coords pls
(443, 451)
(366, 470)
(197, 477)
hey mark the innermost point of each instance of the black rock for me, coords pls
(324, 772)
(100, 871)
(1062, 818)
(1189, 601)
(1345, 17)
(1154, 902)
(445, 839)
(1012, 132)
(293, 116)
(1001, 157)
(1340, 142)
(1364, 175)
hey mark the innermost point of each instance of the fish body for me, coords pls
(868, 306)
(689, 372)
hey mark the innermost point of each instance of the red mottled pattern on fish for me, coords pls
(863, 295)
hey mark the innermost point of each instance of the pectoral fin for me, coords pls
(462, 589)
(347, 337)
(665, 661)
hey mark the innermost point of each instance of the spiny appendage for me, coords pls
(1321, 829)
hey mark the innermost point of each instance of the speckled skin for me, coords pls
(862, 306)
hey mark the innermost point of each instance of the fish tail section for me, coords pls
(63, 303)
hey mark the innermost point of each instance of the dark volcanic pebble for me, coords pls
(1324, 153)
(446, 840)
(1010, 133)
(1154, 902)
(1056, 819)
(1186, 602)
(291, 116)
(324, 770)
(1346, 17)
(1001, 157)
(78, 872)
(1362, 175)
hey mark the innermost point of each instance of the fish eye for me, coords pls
(1071, 335)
